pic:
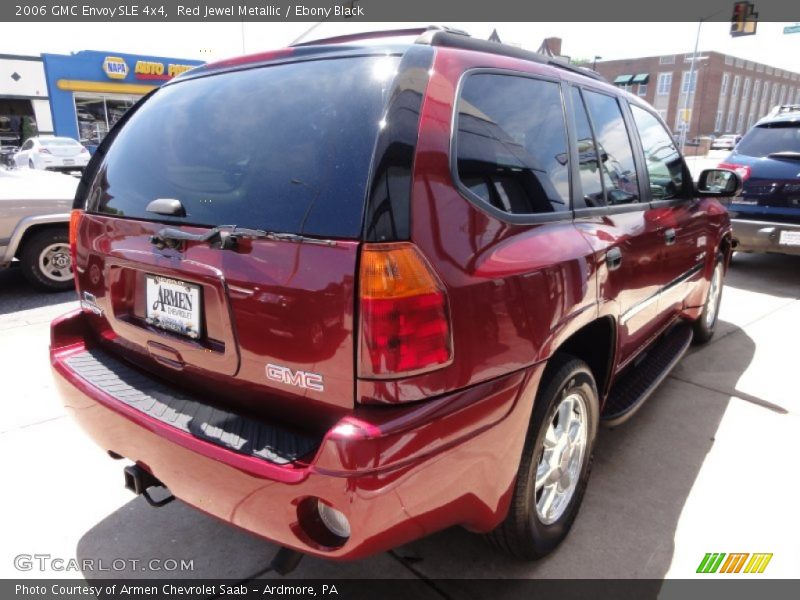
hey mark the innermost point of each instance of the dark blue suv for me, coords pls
(766, 217)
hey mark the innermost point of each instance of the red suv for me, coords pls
(345, 295)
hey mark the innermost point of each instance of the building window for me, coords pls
(728, 60)
(759, 68)
(642, 89)
(664, 84)
(735, 90)
(769, 71)
(729, 122)
(749, 66)
(783, 95)
(662, 113)
(746, 89)
(756, 91)
(723, 89)
(718, 121)
(685, 88)
(666, 60)
(740, 122)
(750, 120)
(683, 119)
(97, 114)
(739, 63)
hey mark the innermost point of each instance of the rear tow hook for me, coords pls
(140, 481)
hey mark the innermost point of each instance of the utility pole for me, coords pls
(689, 91)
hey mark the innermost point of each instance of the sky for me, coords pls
(212, 41)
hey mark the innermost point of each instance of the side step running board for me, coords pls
(630, 393)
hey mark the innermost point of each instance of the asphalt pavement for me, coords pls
(707, 465)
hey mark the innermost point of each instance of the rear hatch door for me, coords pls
(263, 320)
(772, 152)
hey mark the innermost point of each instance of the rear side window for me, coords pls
(616, 154)
(284, 148)
(770, 139)
(664, 163)
(511, 143)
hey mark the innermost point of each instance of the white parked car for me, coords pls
(52, 153)
(725, 142)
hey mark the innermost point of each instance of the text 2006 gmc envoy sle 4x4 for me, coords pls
(345, 295)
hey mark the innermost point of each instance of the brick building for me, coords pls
(727, 94)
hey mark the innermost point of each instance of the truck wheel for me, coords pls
(46, 261)
(704, 326)
(555, 464)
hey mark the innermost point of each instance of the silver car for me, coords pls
(725, 142)
(34, 225)
(52, 153)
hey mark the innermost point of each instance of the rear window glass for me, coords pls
(511, 143)
(285, 148)
(57, 142)
(768, 139)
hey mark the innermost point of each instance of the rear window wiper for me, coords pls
(227, 237)
(785, 154)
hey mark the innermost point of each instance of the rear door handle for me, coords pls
(613, 259)
(670, 236)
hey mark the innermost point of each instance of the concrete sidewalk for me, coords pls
(708, 465)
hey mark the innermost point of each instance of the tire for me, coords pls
(528, 533)
(30, 164)
(705, 325)
(42, 257)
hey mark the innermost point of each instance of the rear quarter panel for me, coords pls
(515, 291)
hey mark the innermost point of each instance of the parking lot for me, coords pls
(708, 465)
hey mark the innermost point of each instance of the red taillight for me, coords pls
(84, 150)
(742, 170)
(74, 223)
(405, 321)
(44, 151)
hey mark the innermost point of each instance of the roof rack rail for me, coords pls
(364, 35)
(783, 108)
(435, 36)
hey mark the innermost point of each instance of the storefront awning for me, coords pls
(641, 78)
(623, 80)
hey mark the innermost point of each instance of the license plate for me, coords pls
(69, 161)
(790, 238)
(173, 305)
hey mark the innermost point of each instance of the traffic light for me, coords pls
(744, 19)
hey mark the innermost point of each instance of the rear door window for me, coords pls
(283, 148)
(614, 146)
(511, 144)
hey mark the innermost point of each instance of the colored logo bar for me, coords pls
(719, 562)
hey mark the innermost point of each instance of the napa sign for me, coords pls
(115, 67)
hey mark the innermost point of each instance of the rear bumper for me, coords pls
(764, 236)
(397, 474)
